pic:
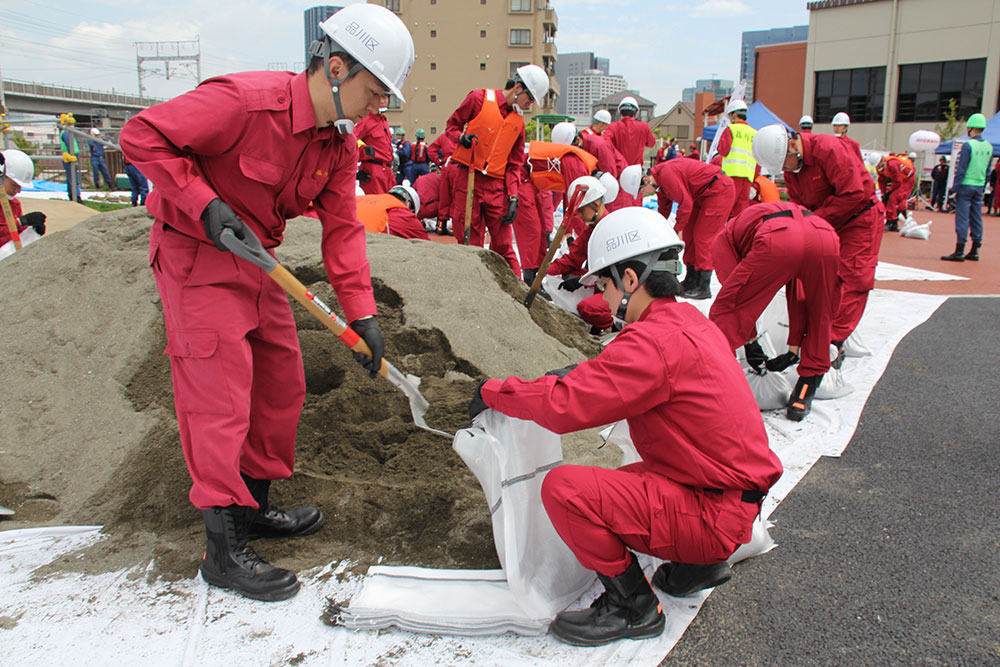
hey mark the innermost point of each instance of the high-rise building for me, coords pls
(313, 17)
(582, 90)
(463, 45)
(575, 64)
(719, 87)
(754, 38)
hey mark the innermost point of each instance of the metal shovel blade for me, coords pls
(419, 406)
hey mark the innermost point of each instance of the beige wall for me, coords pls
(925, 31)
(459, 53)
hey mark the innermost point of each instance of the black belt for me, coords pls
(787, 213)
(710, 184)
(750, 497)
(870, 204)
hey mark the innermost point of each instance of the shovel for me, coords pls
(569, 212)
(252, 251)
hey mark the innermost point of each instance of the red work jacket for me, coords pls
(428, 188)
(630, 136)
(572, 262)
(374, 130)
(15, 210)
(609, 160)
(833, 182)
(684, 182)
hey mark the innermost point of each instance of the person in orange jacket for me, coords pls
(393, 213)
(896, 178)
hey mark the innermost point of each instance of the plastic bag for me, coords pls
(564, 298)
(915, 231)
(833, 384)
(771, 390)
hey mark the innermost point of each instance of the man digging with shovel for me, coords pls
(244, 152)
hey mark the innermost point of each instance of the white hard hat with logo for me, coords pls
(770, 146)
(563, 133)
(19, 167)
(631, 179)
(633, 232)
(534, 79)
(603, 116)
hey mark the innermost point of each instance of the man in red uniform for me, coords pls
(375, 173)
(18, 170)
(630, 136)
(693, 152)
(601, 121)
(704, 197)
(532, 225)
(393, 213)
(762, 249)
(244, 153)
(428, 189)
(489, 129)
(824, 174)
(693, 498)
(440, 151)
(735, 146)
(609, 160)
(897, 177)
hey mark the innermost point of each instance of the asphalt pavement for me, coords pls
(889, 555)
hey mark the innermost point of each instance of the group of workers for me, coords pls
(243, 153)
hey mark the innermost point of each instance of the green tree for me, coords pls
(953, 125)
(26, 147)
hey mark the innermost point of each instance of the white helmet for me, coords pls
(631, 179)
(736, 105)
(603, 116)
(628, 101)
(610, 184)
(408, 193)
(563, 133)
(534, 79)
(94, 131)
(770, 146)
(376, 38)
(595, 189)
(841, 118)
(806, 120)
(19, 167)
(874, 159)
(912, 156)
(635, 233)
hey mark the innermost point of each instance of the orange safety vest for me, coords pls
(496, 137)
(545, 164)
(767, 191)
(906, 166)
(373, 211)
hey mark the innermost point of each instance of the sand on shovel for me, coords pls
(89, 435)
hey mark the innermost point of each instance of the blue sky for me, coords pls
(659, 46)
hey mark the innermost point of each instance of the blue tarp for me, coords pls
(758, 116)
(990, 134)
(38, 185)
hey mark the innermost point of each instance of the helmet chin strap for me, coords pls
(322, 48)
(648, 260)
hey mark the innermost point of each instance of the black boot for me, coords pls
(702, 287)
(683, 579)
(230, 561)
(973, 255)
(957, 256)
(441, 229)
(838, 361)
(528, 276)
(628, 608)
(892, 225)
(269, 521)
(690, 277)
(800, 402)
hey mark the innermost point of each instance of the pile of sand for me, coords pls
(89, 434)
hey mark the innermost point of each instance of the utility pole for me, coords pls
(183, 54)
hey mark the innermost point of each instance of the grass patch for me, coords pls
(104, 206)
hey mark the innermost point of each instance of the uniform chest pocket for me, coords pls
(261, 170)
(309, 187)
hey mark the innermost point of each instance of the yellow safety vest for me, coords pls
(740, 163)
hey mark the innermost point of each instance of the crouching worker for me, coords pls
(765, 247)
(18, 170)
(393, 213)
(705, 465)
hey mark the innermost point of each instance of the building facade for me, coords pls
(677, 123)
(462, 45)
(754, 38)
(576, 64)
(582, 90)
(718, 87)
(893, 66)
(780, 71)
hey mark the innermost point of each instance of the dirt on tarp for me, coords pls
(89, 434)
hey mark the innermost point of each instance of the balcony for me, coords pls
(549, 47)
(550, 18)
(554, 85)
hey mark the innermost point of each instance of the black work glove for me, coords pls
(571, 284)
(369, 151)
(511, 211)
(368, 329)
(34, 219)
(562, 372)
(466, 139)
(755, 357)
(782, 361)
(477, 404)
(218, 216)
(364, 176)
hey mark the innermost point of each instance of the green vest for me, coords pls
(740, 163)
(65, 149)
(979, 161)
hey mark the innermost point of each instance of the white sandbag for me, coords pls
(833, 384)
(916, 231)
(771, 390)
(854, 346)
(28, 236)
(510, 458)
(564, 298)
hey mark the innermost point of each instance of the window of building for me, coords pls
(434, 33)
(434, 130)
(513, 68)
(482, 66)
(434, 98)
(860, 92)
(434, 2)
(482, 33)
(926, 88)
(393, 102)
(392, 4)
(520, 5)
(520, 37)
(434, 66)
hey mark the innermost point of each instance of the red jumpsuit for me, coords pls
(441, 149)
(630, 136)
(694, 154)
(428, 188)
(694, 422)
(763, 248)
(741, 186)
(704, 197)
(834, 184)
(532, 224)
(490, 194)
(251, 140)
(15, 210)
(900, 180)
(593, 310)
(374, 130)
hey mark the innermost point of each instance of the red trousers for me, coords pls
(489, 202)
(898, 196)
(382, 178)
(708, 217)
(529, 232)
(741, 195)
(600, 514)
(594, 310)
(236, 365)
(802, 255)
(860, 240)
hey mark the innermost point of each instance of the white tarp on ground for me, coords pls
(887, 271)
(121, 618)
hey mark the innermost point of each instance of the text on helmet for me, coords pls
(355, 30)
(618, 241)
